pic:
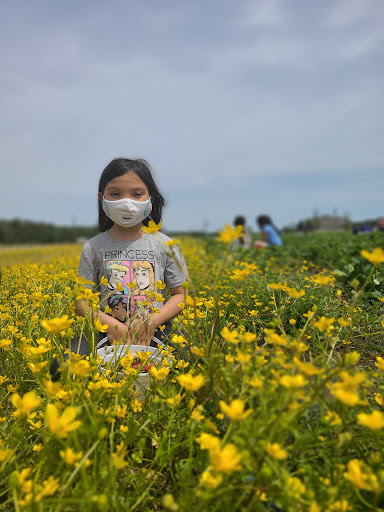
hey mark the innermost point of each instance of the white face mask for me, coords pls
(127, 212)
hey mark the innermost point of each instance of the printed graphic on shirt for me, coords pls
(129, 283)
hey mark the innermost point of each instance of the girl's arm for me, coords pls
(145, 330)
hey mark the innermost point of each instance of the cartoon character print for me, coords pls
(144, 277)
(116, 272)
(118, 305)
(129, 283)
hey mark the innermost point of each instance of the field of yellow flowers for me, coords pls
(278, 406)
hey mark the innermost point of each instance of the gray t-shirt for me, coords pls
(132, 270)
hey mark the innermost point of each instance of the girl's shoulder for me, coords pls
(96, 240)
(162, 237)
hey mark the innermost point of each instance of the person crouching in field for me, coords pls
(269, 231)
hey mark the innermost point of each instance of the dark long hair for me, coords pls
(240, 221)
(142, 169)
(264, 220)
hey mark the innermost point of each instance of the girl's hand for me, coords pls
(141, 332)
(118, 332)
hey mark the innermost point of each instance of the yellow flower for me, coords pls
(352, 357)
(295, 294)
(243, 358)
(322, 280)
(55, 325)
(80, 368)
(374, 421)
(307, 368)
(226, 459)
(36, 368)
(159, 374)
(197, 351)
(339, 506)
(360, 479)
(37, 447)
(70, 457)
(241, 274)
(208, 442)
(295, 487)
(256, 382)
(52, 387)
(104, 280)
(5, 454)
(376, 256)
(61, 425)
(49, 487)
(137, 406)
(121, 411)
(235, 410)
(248, 337)
(293, 381)
(152, 227)
(231, 337)
(35, 352)
(276, 451)
(196, 415)
(278, 286)
(95, 386)
(380, 363)
(274, 338)
(99, 326)
(346, 390)
(118, 457)
(190, 382)
(169, 502)
(325, 324)
(25, 405)
(175, 400)
(333, 418)
(5, 344)
(209, 480)
(348, 397)
(229, 234)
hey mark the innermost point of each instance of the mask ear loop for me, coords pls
(149, 214)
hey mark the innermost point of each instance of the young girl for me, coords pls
(270, 233)
(244, 240)
(123, 259)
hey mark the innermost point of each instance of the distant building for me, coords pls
(330, 223)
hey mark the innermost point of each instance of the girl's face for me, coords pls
(120, 312)
(127, 186)
(142, 278)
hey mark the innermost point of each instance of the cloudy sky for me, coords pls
(253, 106)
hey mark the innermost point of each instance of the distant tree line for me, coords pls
(18, 231)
